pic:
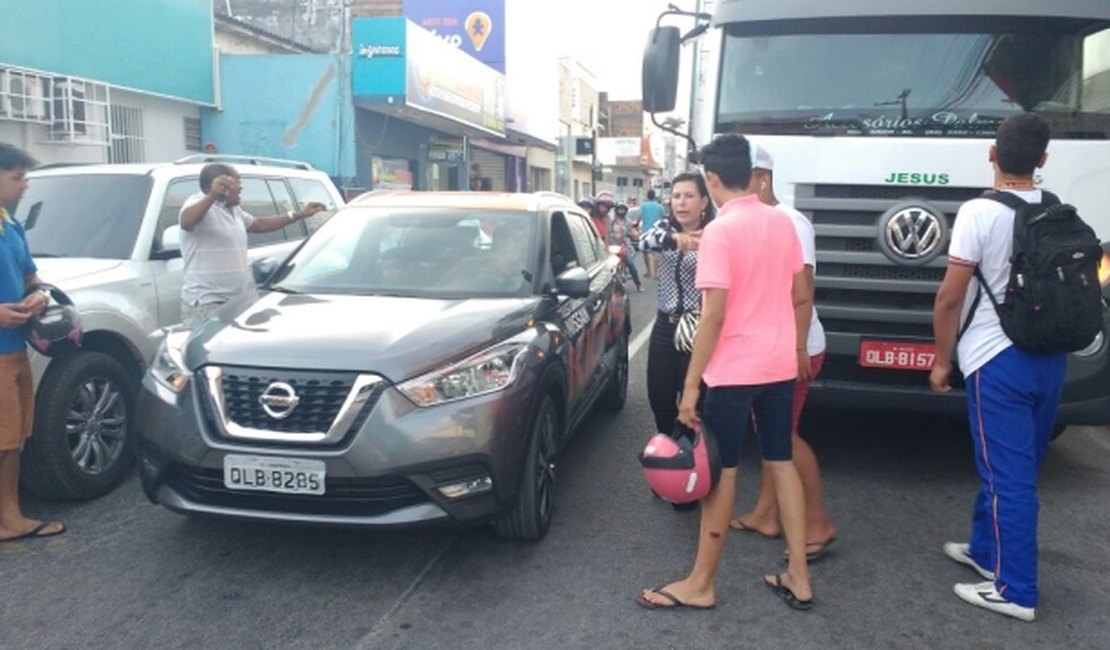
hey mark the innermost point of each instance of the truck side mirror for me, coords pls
(659, 78)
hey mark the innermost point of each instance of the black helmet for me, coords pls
(621, 208)
(58, 328)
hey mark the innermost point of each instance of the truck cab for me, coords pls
(880, 117)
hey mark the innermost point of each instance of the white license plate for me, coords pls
(273, 474)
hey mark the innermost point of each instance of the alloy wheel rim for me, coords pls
(545, 470)
(96, 425)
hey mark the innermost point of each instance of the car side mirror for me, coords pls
(574, 283)
(264, 268)
(169, 245)
(659, 74)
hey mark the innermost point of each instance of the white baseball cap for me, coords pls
(761, 158)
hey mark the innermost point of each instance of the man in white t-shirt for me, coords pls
(1012, 395)
(763, 519)
(214, 242)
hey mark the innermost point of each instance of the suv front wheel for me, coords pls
(83, 442)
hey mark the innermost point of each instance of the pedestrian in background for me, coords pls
(763, 519)
(1012, 395)
(749, 268)
(214, 242)
(651, 213)
(17, 399)
(622, 233)
(603, 206)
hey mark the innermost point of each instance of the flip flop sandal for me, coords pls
(820, 553)
(36, 532)
(740, 527)
(787, 596)
(676, 603)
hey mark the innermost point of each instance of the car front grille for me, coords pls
(320, 410)
(859, 289)
(342, 496)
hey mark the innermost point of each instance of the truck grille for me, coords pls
(860, 290)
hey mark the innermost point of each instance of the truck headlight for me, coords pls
(168, 367)
(487, 372)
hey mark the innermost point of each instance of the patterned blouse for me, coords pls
(677, 270)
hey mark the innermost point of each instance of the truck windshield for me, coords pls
(953, 83)
(84, 215)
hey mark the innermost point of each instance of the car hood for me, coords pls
(62, 271)
(396, 337)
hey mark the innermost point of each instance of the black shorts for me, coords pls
(728, 409)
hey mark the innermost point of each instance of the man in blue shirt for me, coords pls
(650, 212)
(17, 400)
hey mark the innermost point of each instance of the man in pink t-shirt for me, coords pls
(751, 273)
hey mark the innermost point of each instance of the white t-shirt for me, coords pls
(815, 344)
(984, 234)
(217, 268)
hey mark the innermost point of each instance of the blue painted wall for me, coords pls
(294, 106)
(159, 46)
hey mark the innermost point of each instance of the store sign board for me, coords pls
(476, 27)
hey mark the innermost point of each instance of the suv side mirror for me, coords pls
(659, 75)
(574, 283)
(169, 245)
(264, 268)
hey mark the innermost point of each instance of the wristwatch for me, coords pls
(292, 216)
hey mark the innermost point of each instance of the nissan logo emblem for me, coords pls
(279, 400)
(913, 234)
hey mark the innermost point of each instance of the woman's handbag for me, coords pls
(686, 330)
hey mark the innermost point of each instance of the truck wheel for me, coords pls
(84, 442)
(535, 500)
(617, 392)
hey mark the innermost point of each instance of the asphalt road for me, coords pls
(130, 575)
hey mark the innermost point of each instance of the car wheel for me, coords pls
(617, 392)
(84, 443)
(535, 501)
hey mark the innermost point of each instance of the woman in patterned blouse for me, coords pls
(676, 240)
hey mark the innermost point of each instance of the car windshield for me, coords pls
(84, 215)
(416, 252)
(960, 81)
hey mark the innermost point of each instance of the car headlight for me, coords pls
(168, 367)
(487, 372)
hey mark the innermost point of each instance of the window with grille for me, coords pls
(127, 134)
(193, 139)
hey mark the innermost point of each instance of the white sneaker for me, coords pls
(985, 595)
(962, 553)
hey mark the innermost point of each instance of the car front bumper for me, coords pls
(386, 473)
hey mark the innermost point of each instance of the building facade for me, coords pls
(63, 105)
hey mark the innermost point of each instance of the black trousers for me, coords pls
(666, 373)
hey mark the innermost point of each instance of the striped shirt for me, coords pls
(217, 268)
(677, 269)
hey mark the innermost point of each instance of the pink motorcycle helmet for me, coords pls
(681, 470)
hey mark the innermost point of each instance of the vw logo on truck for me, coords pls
(912, 234)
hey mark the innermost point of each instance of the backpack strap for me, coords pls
(981, 285)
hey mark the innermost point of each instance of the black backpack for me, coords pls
(1053, 302)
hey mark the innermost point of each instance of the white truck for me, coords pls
(107, 235)
(879, 116)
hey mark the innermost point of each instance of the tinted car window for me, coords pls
(176, 194)
(425, 253)
(284, 201)
(84, 215)
(582, 231)
(307, 190)
(256, 199)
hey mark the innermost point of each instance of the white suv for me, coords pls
(107, 235)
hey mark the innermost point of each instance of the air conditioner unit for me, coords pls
(24, 97)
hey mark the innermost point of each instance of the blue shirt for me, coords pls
(15, 265)
(650, 212)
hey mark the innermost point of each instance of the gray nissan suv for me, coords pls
(421, 358)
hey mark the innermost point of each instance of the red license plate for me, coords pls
(897, 355)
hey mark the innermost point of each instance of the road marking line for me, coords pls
(640, 340)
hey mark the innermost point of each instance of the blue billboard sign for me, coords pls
(379, 49)
(476, 27)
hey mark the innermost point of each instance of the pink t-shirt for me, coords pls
(752, 250)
